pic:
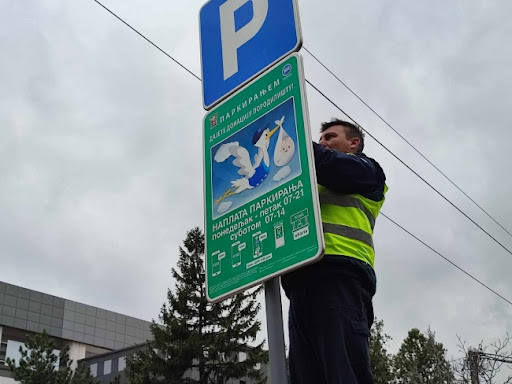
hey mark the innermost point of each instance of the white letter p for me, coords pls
(231, 39)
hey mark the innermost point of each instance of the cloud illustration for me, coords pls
(224, 206)
(223, 152)
(283, 172)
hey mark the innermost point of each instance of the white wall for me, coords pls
(76, 352)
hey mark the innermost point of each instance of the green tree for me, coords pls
(38, 364)
(422, 360)
(83, 375)
(380, 359)
(195, 335)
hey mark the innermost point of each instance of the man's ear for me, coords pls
(354, 143)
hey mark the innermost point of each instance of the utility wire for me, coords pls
(410, 169)
(387, 217)
(503, 359)
(407, 141)
(149, 41)
(445, 258)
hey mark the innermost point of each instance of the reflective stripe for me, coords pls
(347, 201)
(351, 233)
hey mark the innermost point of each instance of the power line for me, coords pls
(394, 222)
(445, 258)
(410, 169)
(149, 41)
(496, 357)
(407, 141)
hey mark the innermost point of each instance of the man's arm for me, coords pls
(344, 173)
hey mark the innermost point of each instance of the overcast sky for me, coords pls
(101, 149)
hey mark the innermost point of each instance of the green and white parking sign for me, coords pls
(261, 201)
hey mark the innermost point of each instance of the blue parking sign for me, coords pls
(242, 38)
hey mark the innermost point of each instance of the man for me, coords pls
(331, 301)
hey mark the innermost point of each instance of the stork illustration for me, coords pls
(252, 174)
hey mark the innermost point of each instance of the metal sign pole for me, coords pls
(276, 348)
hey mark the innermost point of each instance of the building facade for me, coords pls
(98, 338)
(87, 330)
(108, 365)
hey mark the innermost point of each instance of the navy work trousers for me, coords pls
(329, 321)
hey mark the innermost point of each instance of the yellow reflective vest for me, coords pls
(348, 222)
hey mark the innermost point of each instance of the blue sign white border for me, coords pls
(297, 47)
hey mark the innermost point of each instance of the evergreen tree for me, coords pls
(197, 341)
(83, 375)
(38, 364)
(380, 359)
(422, 360)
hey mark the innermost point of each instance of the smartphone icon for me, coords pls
(215, 263)
(279, 234)
(236, 255)
(256, 245)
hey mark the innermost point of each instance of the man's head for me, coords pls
(342, 136)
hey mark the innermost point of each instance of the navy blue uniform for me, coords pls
(331, 308)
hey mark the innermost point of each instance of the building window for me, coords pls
(3, 349)
(121, 364)
(94, 370)
(13, 352)
(107, 367)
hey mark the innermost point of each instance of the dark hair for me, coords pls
(351, 130)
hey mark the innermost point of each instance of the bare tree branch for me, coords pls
(491, 359)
